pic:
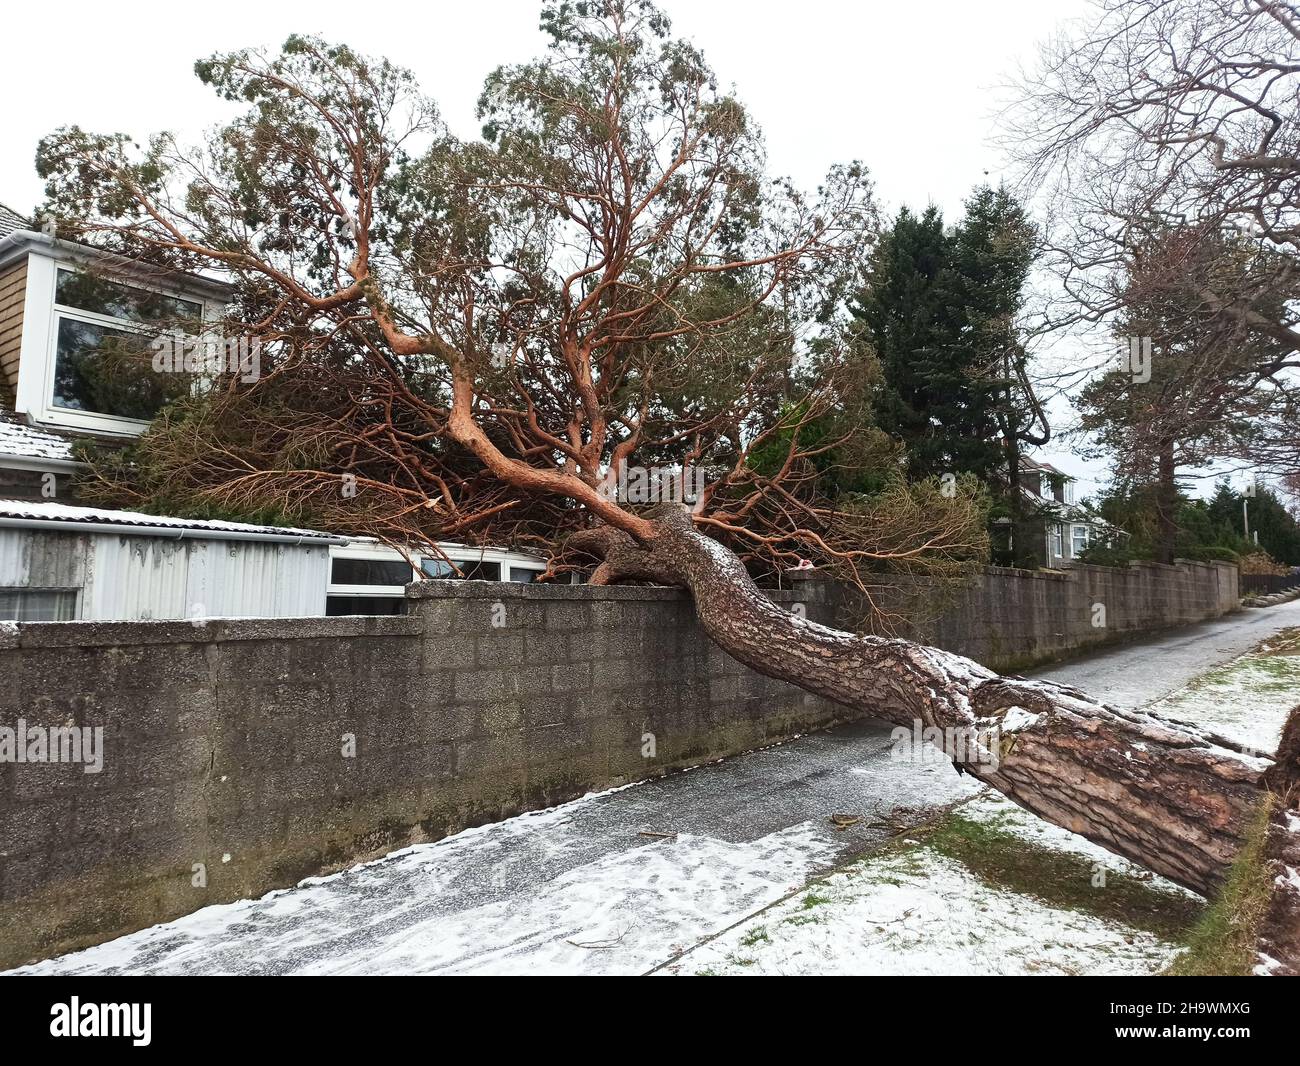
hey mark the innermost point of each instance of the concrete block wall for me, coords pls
(1011, 620)
(241, 755)
(225, 772)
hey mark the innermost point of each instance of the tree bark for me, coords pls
(1170, 796)
(1279, 936)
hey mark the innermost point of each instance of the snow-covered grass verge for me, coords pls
(990, 889)
(1246, 699)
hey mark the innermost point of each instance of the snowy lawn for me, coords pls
(1246, 699)
(990, 889)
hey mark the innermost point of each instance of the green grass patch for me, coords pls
(1278, 661)
(1003, 859)
(1223, 941)
(802, 919)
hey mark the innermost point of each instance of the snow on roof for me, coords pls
(11, 220)
(28, 442)
(49, 511)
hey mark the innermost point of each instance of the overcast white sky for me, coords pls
(910, 89)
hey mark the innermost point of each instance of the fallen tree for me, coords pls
(500, 327)
(1164, 794)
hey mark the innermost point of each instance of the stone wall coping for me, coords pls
(511, 590)
(218, 630)
(213, 631)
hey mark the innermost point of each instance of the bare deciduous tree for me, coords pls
(1178, 115)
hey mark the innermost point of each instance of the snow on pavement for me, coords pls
(573, 889)
(620, 914)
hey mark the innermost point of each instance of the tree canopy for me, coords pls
(481, 333)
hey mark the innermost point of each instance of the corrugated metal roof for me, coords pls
(49, 511)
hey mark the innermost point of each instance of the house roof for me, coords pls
(19, 235)
(1029, 464)
(11, 220)
(46, 512)
(21, 441)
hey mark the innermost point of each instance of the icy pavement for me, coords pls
(577, 889)
(1136, 674)
(573, 889)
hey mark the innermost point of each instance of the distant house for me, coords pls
(64, 307)
(1066, 529)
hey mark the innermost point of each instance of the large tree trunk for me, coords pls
(1165, 794)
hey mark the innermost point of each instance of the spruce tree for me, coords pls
(902, 308)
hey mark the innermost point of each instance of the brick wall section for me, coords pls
(1013, 619)
(223, 743)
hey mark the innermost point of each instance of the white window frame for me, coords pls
(457, 553)
(1058, 540)
(75, 592)
(1075, 530)
(36, 366)
(369, 552)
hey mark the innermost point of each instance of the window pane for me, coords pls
(109, 372)
(89, 293)
(370, 572)
(343, 605)
(522, 576)
(438, 569)
(481, 571)
(37, 605)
